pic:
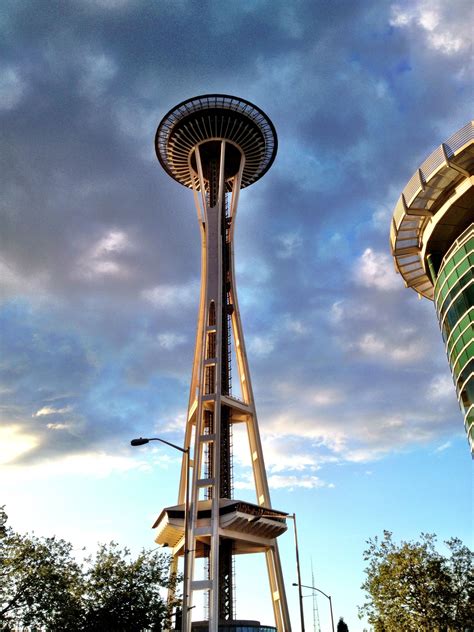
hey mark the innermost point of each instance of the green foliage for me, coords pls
(412, 587)
(123, 594)
(42, 587)
(40, 583)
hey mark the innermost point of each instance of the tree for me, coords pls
(43, 587)
(412, 587)
(124, 594)
(342, 626)
(40, 583)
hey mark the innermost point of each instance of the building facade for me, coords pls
(432, 242)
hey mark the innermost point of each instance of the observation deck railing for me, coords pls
(422, 196)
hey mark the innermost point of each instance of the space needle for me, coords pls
(216, 145)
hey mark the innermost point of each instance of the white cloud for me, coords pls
(443, 28)
(164, 296)
(114, 241)
(375, 269)
(295, 326)
(441, 387)
(443, 447)
(277, 481)
(289, 245)
(57, 426)
(281, 481)
(12, 88)
(110, 5)
(170, 340)
(49, 410)
(381, 217)
(94, 464)
(103, 258)
(14, 443)
(98, 70)
(176, 422)
(260, 345)
(14, 282)
(325, 396)
(400, 345)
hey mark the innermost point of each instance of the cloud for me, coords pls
(375, 269)
(441, 387)
(399, 345)
(96, 464)
(105, 256)
(261, 345)
(276, 481)
(289, 245)
(12, 88)
(434, 22)
(167, 296)
(171, 340)
(50, 410)
(98, 71)
(443, 447)
(14, 443)
(289, 482)
(100, 248)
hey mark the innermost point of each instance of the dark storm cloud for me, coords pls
(103, 247)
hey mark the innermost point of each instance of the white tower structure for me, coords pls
(216, 145)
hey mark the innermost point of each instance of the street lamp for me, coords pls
(293, 517)
(186, 451)
(323, 593)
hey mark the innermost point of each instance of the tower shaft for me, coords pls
(212, 409)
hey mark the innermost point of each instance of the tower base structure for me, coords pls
(233, 626)
(432, 242)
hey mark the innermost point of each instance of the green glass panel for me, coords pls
(448, 267)
(463, 267)
(467, 338)
(459, 254)
(470, 244)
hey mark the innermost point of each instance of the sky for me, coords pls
(99, 269)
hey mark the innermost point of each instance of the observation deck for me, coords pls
(251, 526)
(207, 120)
(434, 209)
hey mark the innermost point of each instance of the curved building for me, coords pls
(432, 242)
(216, 145)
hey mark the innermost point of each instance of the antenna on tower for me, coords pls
(316, 624)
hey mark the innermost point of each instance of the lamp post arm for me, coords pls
(314, 588)
(173, 445)
(327, 597)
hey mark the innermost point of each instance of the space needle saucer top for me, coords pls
(207, 120)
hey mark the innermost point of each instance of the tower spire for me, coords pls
(316, 623)
(216, 145)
